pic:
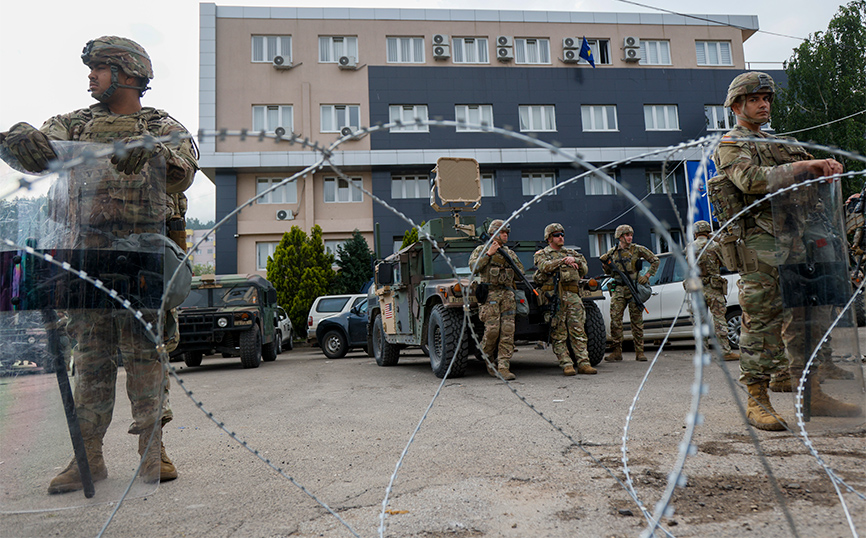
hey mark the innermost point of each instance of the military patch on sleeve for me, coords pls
(728, 140)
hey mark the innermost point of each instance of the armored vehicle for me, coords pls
(417, 299)
(234, 315)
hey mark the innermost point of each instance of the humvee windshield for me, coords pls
(217, 297)
(460, 261)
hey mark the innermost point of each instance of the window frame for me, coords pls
(417, 179)
(588, 114)
(527, 183)
(665, 110)
(711, 123)
(281, 109)
(271, 181)
(600, 240)
(347, 114)
(601, 55)
(594, 183)
(410, 127)
(337, 189)
(521, 45)
(459, 50)
(272, 247)
(413, 48)
(347, 43)
(666, 183)
(644, 46)
(656, 242)
(706, 44)
(489, 179)
(278, 46)
(464, 127)
(530, 115)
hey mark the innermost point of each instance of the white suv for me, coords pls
(327, 306)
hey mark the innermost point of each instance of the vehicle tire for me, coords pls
(251, 348)
(734, 318)
(291, 345)
(192, 358)
(385, 354)
(269, 351)
(334, 344)
(425, 350)
(369, 349)
(596, 335)
(860, 310)
(443, 334)
(278, 342)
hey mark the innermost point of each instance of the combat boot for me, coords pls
(731, 356)
(69, 478)
(825, 406)
(763, 418)
(585, 368)
(167, 470)
(828, 370)
(568, 370)
(615, 353)
(781, 383)
(505, 372)
(151, 467)
(639, 356)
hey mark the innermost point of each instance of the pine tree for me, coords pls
(411, 236)
(355, 260)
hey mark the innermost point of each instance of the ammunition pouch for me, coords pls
(177, 231)
(482, 290)
(522, 305)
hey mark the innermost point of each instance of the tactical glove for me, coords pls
(30, 146)
(135, 158)
(643, 279)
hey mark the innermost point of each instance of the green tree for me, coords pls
(300, 270)
(827, 82)
(355, 260)
(193, 223)
(199, 269)
(411, 236)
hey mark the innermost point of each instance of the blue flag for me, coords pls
(586, 53)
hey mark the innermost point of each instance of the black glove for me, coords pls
(30, 146)
(136, 157)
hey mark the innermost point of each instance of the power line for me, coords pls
(823, 124)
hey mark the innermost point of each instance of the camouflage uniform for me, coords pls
(568, 323)
(715, 288)
(626, 260)
(497, 312)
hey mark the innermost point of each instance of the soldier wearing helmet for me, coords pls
(715, 287)
(498, 309)
(628, 257)
(120, 70)
(753, 170)
(559, 272)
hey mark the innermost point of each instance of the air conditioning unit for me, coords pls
(348, 62)
(281, 62)
(632, 55)
(571, 56)
(440, 39)
(504, 41)
(285, 214)
(441, 52)
(279, 131)
(570, 43)
(504, 54)
(347, 131)
(631, 42)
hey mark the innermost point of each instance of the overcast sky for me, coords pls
(41, 42)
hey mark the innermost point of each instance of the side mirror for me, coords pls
(385, 274)
(272, 296)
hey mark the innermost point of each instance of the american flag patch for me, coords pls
(389, 311)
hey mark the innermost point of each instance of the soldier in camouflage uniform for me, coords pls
(715, 286)
(120, 70)
(570, 318)
(626, 256)
(755, 170)
(497, 312)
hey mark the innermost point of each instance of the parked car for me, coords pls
(342, 332)
(327, 306)
(664, 305)
(285, 337)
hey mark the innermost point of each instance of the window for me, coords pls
(287, 194)
(410, 186)
(335, 117)
(534, 183)
(713, 53)
(537, 118)
(532, 51)
(595, 186)
(337, 190)
(719, 118)
(265, 47)
(488, 187)
(472, 116)
(661, 117)
(598, 117)
(660, 244)
(405, 50)
(599, 243)
(470, 50)
(408, 114)
(332, 48)
(656, 185)
(332, 244)
(269, 117)
(655, 52)
(600, 51)
(263, 250)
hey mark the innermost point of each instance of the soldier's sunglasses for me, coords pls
(557, 234)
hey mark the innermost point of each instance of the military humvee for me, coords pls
(230, 314)
(417, 300)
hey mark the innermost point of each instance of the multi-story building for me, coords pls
(659, 80)
(205, 253)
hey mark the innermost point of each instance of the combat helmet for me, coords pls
(621, 230)
(749, 83)
(552, 228)
(495, 225)
(122, 54)
(703, 227)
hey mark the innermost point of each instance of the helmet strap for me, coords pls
(115, 83)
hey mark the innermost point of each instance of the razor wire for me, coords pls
(702, 327)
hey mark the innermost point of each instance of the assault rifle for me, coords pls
(518, 271)
(628, 283)
(553, 305)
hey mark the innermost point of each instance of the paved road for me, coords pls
(484, 463)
